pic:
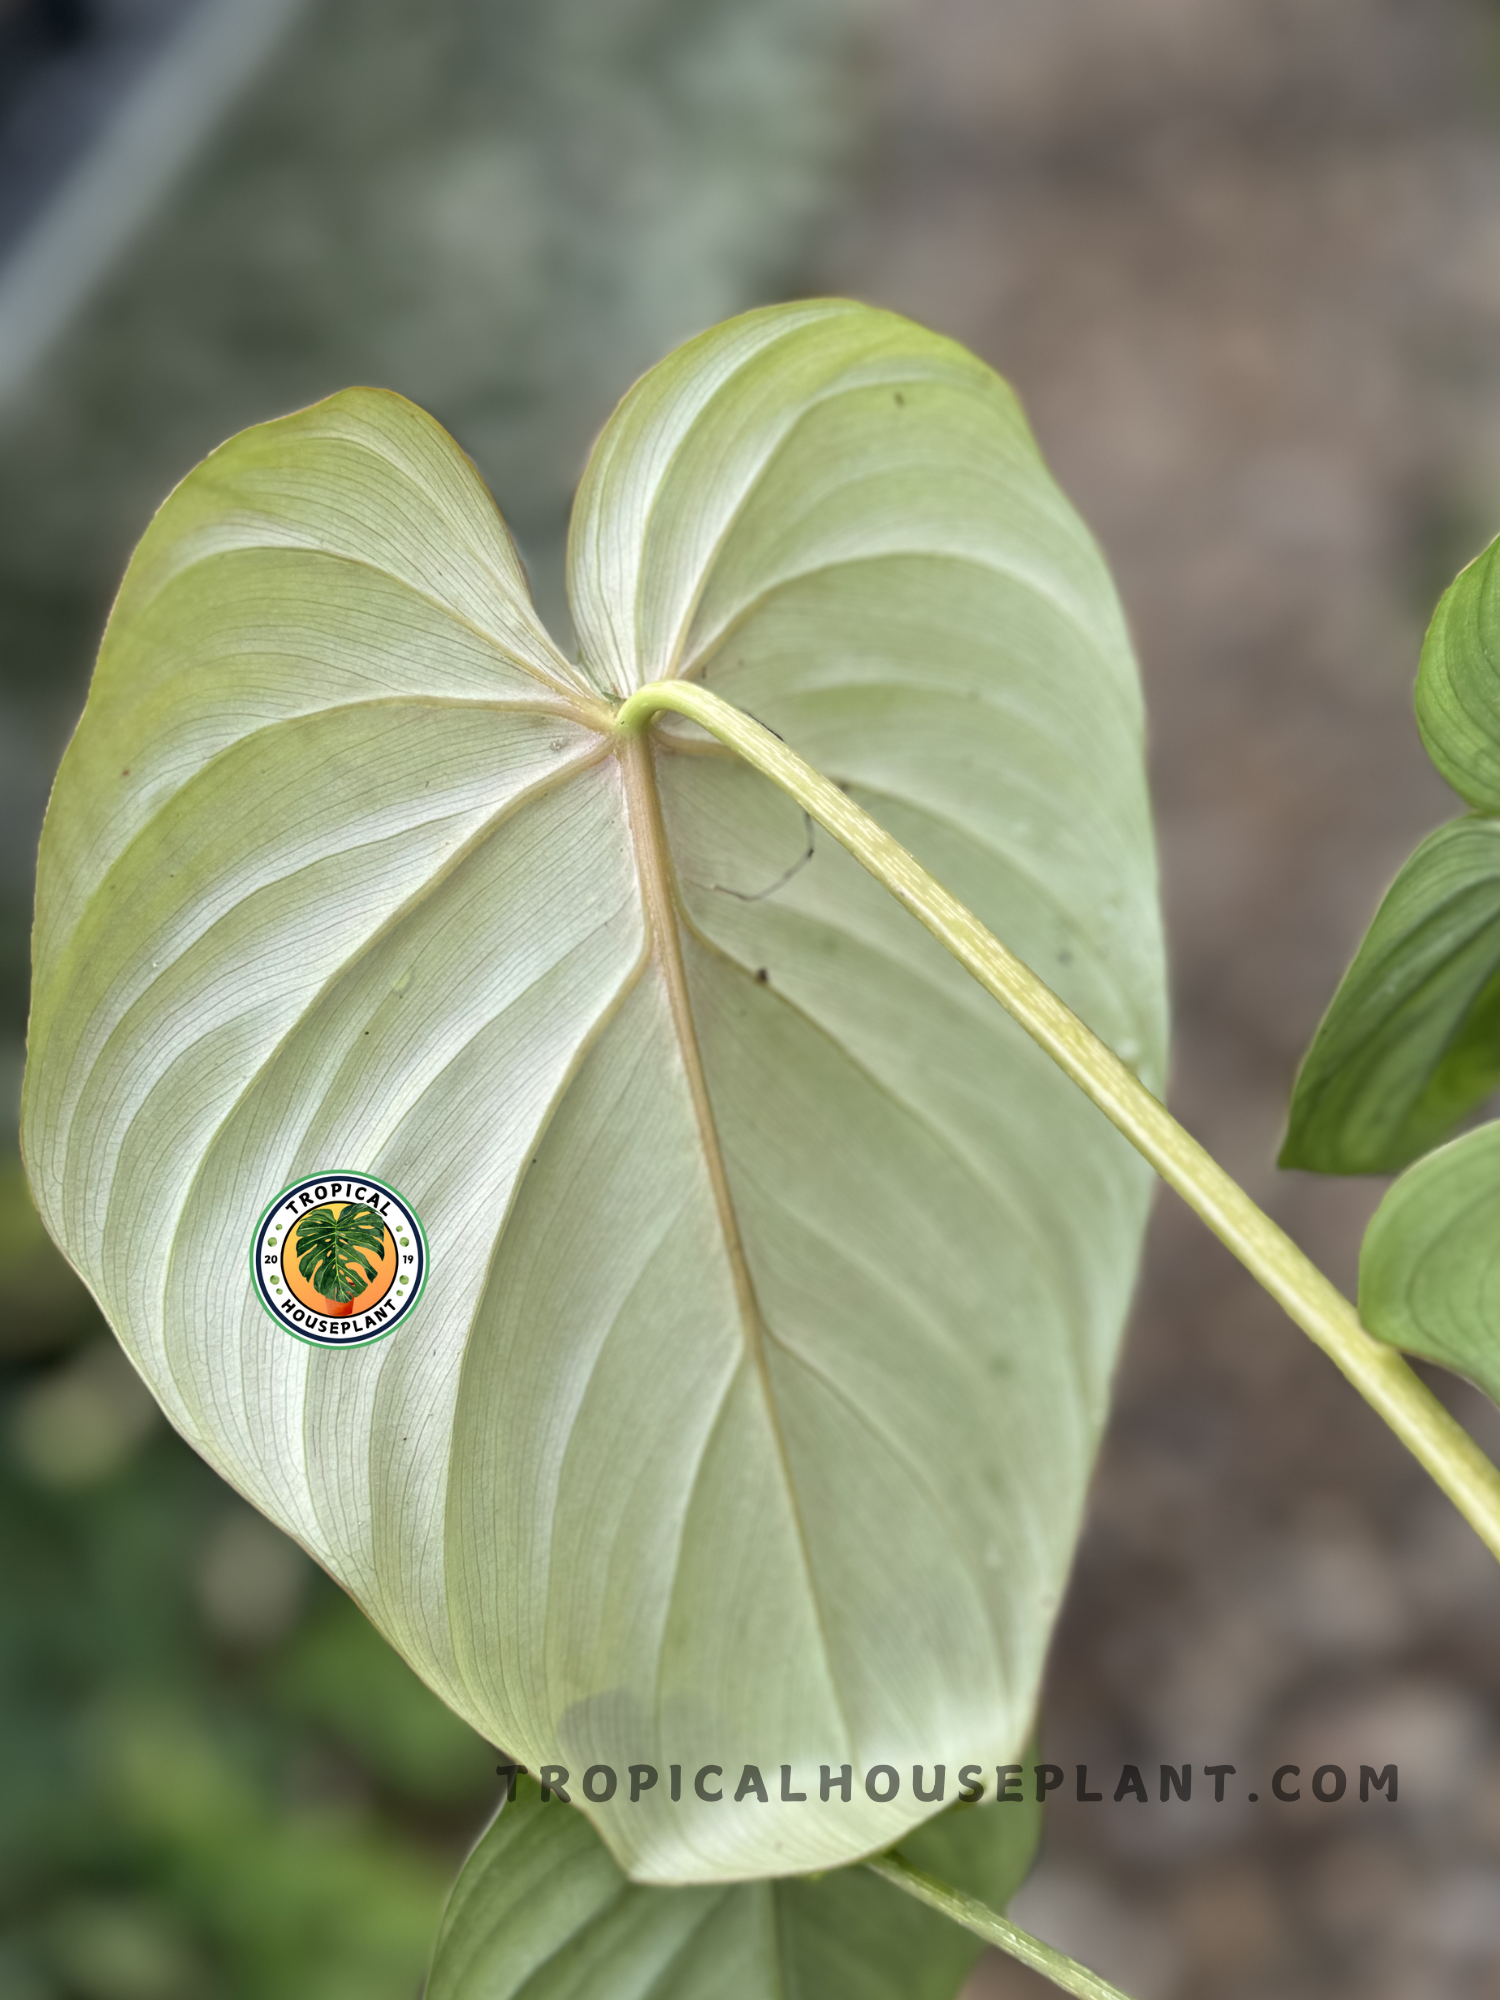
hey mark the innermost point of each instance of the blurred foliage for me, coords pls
(219, 1782)
(43, 1305)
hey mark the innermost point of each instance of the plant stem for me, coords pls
(1380, 1374)
(994, 1929)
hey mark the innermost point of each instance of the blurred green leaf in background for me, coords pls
(1406, 1053)
(218, 1779)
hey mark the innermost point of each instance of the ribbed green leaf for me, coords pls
(1458, 684)
(541, 1912)
(1429, 1267)
(775, 1277)
(1411, 1042)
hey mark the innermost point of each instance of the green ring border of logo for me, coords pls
(331, 1174)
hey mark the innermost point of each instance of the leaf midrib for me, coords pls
(659, 895)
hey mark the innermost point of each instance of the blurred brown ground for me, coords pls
(1242, 260)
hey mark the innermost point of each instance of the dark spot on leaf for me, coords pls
(781, 881)
(762, 976)
(126, 772)
(1065, 958)
(900, 399)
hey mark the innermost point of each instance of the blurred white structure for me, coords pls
(164, 108)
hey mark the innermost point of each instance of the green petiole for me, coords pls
(1380, 1374)
(994, 1929)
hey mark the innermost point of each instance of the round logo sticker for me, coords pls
(339, 1259)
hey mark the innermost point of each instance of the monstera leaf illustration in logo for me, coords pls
(334, 1247)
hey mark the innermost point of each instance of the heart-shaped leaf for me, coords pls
(1411, 1042)
(1429, 1267)
(541, 1912)
(775, 1276)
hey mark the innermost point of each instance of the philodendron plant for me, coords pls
(712, 1425)
(1410, 1047)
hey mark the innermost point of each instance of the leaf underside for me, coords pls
(541, 1912)
(776, 1278)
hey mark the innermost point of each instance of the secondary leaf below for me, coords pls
(541, 1912)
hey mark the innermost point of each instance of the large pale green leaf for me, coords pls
(775, 1277)
(1411, 1042)
(1429, 1267)
(541, 1912)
